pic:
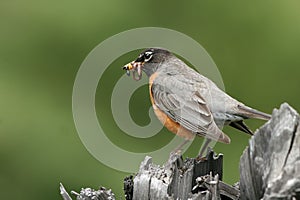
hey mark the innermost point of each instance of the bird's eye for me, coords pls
(147, 56)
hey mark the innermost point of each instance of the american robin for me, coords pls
(186, 102)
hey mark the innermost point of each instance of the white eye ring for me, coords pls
(148, 56)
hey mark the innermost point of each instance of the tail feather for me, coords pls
(240, 125)
(248, 112)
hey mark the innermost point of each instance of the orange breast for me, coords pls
(171, 125)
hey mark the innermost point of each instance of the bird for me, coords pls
(188, 103)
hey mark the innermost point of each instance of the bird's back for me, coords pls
(185, 81)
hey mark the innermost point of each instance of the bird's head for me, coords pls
(148, 61)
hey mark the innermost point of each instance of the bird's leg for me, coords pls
(179, 147)
(203, 149)
(176, 153)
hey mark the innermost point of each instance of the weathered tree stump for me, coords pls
(270, 166)
(178, 179)
(269, 169)
(88, 194)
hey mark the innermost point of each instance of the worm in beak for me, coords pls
(136, 68)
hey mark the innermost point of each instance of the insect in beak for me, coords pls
(136, 68)
(128, 67)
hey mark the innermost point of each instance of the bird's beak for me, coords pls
(136, 68)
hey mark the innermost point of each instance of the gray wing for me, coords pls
(183, 104)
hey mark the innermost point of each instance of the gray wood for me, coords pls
(177, 179)
(128, 187)
(269, 169)
(88, 194)
(65, 195)
(270, 166)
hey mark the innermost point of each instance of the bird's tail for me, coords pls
(248, 112)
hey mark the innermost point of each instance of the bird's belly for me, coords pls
(173, 126)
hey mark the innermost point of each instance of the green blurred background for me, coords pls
(255, 45)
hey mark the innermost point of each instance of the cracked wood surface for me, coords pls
(182, 179)
(270, 166)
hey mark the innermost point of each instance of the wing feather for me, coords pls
(179, 101)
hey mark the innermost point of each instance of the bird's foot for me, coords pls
(201, 155)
